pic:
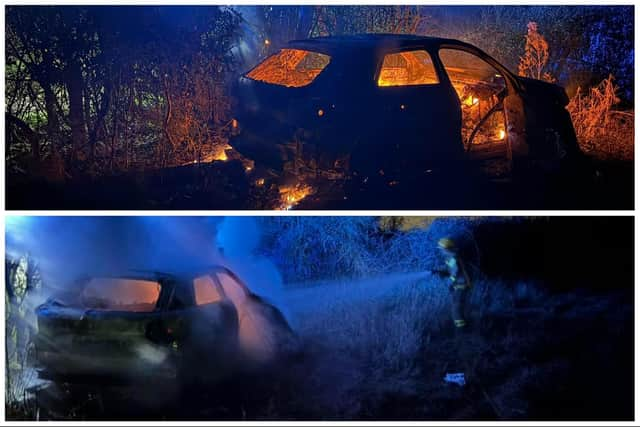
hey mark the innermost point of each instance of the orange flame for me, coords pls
(221, 154)
(292, 195)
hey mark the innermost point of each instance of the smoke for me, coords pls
(66, 248)
(238, 239)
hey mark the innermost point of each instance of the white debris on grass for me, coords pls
(456, 378)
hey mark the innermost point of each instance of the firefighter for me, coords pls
(458, 277)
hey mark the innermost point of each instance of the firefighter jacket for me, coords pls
(458, 275)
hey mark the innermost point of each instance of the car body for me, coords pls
(149, 326)
(348, 106)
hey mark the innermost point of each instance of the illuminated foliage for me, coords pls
(536, 55)
(106, 89)
(22, 281)
(331, 20)
(600, 129)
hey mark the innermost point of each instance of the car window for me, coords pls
(232, 289)
(205, 290)
(290, 67)
(409, 68)
(120, 294)
(479, 86)
(471, 76)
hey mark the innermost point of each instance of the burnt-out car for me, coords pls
(184, 328)
(397, 106)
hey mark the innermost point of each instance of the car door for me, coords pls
(418, 119)
(493, 122)
(213, 328)
(260, 333)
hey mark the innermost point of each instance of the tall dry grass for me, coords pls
(602, 131)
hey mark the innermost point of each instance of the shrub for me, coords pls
(602, 131)
(536, 55)
(313, 248)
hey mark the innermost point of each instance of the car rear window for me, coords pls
(409, 68)
(290, 68)
(120, 294)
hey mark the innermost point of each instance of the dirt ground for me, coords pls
(224, 185)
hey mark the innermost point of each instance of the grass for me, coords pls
(527, 354)
(379, 349)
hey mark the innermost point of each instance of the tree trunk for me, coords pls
(100, 117)
(76, 109)
(52, 117)
(167, 119)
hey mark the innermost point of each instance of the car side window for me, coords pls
(205, 291)
(410, 68)
(232, 289)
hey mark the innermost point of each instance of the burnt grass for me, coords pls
(224, 185)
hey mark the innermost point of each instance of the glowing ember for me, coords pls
(221, 155)
(290, 196)
(471, 100)
(501, 134)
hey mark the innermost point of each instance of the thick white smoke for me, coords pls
(238, 239)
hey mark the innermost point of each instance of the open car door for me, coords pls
(493, 121)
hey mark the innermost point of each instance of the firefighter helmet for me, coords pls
(447, 243)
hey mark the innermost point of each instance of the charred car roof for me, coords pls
(379, 41)
(156, 275)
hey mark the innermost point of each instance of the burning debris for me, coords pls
(292, 195)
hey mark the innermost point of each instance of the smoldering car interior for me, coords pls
(327, 107)
(319, 318)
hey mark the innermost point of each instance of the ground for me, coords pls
(223, 185)
(379, 348)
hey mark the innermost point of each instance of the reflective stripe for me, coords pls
(459, 323)
(460, 287)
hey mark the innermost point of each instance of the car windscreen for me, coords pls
(290, 68)
(120, 294)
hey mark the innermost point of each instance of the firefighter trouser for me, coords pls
(459, 293)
